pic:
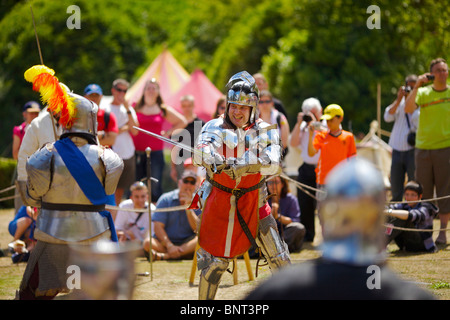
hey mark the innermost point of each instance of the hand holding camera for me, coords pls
(424, 78)
(307, 117)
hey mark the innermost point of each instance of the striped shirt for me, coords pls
(400, 130)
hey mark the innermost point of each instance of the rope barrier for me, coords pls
(298, 184)
(169, 209)
(9, 198)
(410, 229)
(7, 189)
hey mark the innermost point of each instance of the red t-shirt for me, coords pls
(112, 125)
(332, 151)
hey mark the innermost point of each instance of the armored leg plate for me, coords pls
(273, 247)
(212, 269)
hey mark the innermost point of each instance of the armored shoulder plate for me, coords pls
(39, 171)
(212, 133)
(113, 167)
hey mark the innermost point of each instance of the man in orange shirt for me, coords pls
(334, 145)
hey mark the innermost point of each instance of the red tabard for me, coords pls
(220, 233)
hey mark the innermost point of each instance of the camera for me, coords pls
(430, 77)
(307, 118)
(407, 88)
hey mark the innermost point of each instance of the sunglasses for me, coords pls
(191, 181)
(265, 101)
(121, 90)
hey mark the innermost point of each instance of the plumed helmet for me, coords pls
(242, 90)
(76, 114)
(353, 209)
(85, 120)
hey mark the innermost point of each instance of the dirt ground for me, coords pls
(171, 278)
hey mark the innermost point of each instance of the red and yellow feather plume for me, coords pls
(58, 101)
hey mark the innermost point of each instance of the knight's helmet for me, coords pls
(352, 213)
(76, 114)
(85, 122)
(242, 90)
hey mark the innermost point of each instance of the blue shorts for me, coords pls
(12, 227)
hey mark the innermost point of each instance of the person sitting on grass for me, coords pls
(415, 215)
(175, 232)
(22, 229)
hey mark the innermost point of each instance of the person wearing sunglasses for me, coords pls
(124, 146)
(269, 114)
(175, 232)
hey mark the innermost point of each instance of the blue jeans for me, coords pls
(402, 163)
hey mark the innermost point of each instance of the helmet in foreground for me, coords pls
(352, 212)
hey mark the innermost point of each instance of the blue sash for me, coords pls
(86, 178)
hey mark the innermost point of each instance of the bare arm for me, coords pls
(176, 119)
(132, 119)
(397, 213)
(410, 104)
(311, 150)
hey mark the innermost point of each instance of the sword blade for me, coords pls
(175, 143)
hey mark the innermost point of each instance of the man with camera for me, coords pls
(311, 112)
(402, 150)
(433, 137)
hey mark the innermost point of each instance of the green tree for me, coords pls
(108, 45)
(331, 54)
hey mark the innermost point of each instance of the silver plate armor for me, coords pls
(50, 182)
(262, 141)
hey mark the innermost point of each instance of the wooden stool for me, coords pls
(235, 272)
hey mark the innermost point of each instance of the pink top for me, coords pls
(153, 123)
(20, 130)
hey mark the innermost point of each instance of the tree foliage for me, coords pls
(304, 47)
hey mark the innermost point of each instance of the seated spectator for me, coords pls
(22, 229)
(175, 235)
(134, 225)
(286, 211)
(412, 215)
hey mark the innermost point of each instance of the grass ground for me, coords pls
(171, 278)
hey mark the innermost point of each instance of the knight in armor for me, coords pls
(69, 181)
(238, 151)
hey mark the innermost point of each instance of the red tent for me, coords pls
(204, 92)
(170, 75)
